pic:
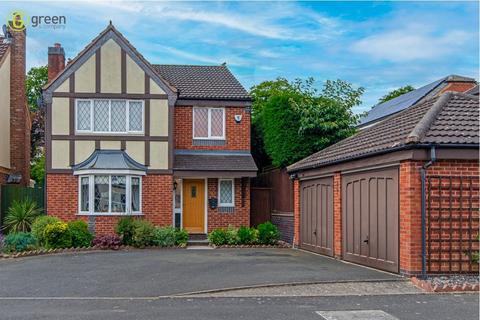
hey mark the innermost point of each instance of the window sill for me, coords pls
(111, 214)
(208, 142)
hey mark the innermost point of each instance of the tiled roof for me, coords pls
(474, 91)
(3, 47)
(109, 160)
(407, 100)
(452, 118)
(215, 162)
(203, 82)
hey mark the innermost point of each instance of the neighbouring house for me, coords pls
(402, 195)
(124, 137)
(15, 116)
(382, 110)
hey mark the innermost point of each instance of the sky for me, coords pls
(379, 46)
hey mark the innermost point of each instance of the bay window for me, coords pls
(226, 193)
(109, 194)
(208, 123)
(109, 116)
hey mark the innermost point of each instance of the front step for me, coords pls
(197, 239)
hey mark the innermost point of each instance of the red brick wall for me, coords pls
(62, 201)
(241, 214)
(337, 215)
(237, 134)
(19, 125)
(296, 212)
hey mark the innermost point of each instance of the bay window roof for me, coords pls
(109, 160)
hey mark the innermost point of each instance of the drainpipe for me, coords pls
(423, 173)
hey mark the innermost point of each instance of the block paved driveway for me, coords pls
(152, 273)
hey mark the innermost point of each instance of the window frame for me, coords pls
(110, 132)
(209, 123)
(91, 195)
(226, 205)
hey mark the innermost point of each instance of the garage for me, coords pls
(370, 215)
(316, 229)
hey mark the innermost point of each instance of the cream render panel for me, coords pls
(60, 154)
(110, 68)
(136, 150)
(135, 77)
(158, 117)
(85, 76)
(158, 155)
(64, 87)
(110, 145)
(154, 88)
(5, 112)
(83, 150)
(60, 116)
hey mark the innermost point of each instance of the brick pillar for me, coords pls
(410, 218)
(56, 61)
(19, 125)
(296, 212)
(337, 215)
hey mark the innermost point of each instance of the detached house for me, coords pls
(169, 143)
(15, 117)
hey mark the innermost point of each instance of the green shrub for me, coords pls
(247, 235)
(267, 233)
(218, 237)
(81, 237)
(57, 235)
(232, 236)
(125, 229)
(21, 215)
(20, 241)
(164, 237)
(38, 227)
(143, 234)
(181, 237)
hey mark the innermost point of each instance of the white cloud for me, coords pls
(409, 44)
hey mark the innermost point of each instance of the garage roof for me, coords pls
(450, 119)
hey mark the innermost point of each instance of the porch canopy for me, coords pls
(214, 164)
(109, 161)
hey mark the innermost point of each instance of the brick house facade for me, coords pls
(449, 126)
(126, 137)
(15, 121)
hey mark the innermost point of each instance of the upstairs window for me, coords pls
(208, 123)
(109, 116)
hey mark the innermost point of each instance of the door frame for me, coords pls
(205, 180)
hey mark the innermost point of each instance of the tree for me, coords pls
(294, 119)
(37, 77)
(396, 93)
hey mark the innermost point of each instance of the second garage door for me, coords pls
(316, 225)
(370, 218)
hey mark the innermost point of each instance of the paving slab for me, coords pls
(165, 272)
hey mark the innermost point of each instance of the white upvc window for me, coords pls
(112, 116)
(226, 193)
(110, 194)
(209, 123)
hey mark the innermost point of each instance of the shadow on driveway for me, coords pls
(150, 273)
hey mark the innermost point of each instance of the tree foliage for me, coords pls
(37, 77)
(294, 119)
(396, 93)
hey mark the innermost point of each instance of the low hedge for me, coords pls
(265, 234)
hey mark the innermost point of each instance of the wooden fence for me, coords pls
(10, 193)
(261, 205)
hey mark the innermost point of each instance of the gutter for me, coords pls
(423, 174)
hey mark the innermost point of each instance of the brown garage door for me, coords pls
(370, 216)
(316, 229)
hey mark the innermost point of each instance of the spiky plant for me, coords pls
(21, 215)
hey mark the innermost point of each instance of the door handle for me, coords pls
(366, 240)
(315, 232)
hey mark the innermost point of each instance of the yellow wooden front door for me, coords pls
(194, 205)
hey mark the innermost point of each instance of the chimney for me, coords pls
(456, 83)
(56, 60)
(19, 117)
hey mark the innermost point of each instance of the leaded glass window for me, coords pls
(102, 194)
(119, 193)
(84, 115)
(226, 193)
(84, 194)
(135, 116)
(208, 123)
(135, 194)
(101, 115)
(119, 115)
